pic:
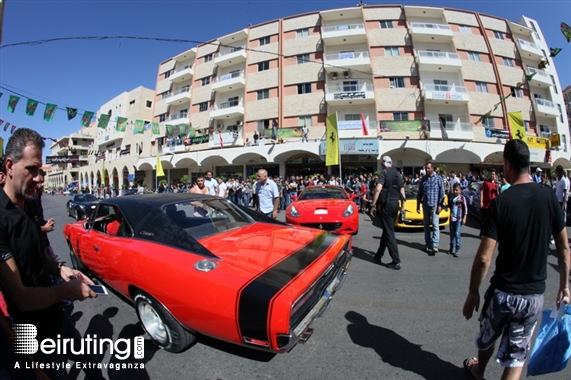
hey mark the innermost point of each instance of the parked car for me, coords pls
(412, 219)
(198, 264)
(80, 206)
(472, 195)
(327, 207)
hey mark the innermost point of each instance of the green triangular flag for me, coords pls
(192, 132)
(31, 107)
(71, 112)
(86, 118)
(543, 64)
(155, 128)
(139, 126)
(121, 124)
(12, 103)
(554, 51)
(530, 76)
(49, 112)
(103, 121)
(483, 117)
(182, 131)
(505, 97)
(566, 30)
(170, 129)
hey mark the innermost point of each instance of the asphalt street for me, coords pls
(383, 324)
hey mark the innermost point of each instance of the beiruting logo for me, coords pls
(25, 342)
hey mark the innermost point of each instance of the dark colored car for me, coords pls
(472, 195)
(80, 206)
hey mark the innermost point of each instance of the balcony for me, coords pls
(231, 56)
(529, 50)
(230, 81)
(454, 130)
(182, 75)
(180, 96)
(444, 94)
(179, 119)
(109, 136)
(540, 79)
(438, 61)
(546, 108)
(232, 108)
(356, 60)
(361, 93)
(229, 138)
(347, 34)
(421, 31)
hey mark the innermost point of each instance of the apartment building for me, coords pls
(420, 79)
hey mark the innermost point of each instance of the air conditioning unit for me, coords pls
(240, 123)
(334, 76)
(346, 74)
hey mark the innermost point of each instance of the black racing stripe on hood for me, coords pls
(255, 297)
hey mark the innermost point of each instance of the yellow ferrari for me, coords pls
(412, 219)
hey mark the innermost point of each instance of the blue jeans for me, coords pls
(456, 235)
(431, 228)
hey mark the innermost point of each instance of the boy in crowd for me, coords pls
(459, 212)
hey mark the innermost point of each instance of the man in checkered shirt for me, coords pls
(431, 196)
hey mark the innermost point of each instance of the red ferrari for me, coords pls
(326, 207)
(197, 264)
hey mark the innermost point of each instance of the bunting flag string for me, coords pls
(71, 112)
(12, 103)
(6, 127)
(31, 107)
(49, 112)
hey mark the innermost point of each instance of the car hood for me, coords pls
(260, 246)
(333, 206)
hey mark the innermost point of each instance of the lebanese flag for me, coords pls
(364, 125)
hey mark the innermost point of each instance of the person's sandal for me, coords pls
(468, 364)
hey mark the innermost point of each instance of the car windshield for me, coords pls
(85, 198)
(410, 192)
(322, 192)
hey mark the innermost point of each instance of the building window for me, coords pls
(397, 82)
(263, 66)
(264, 40)
(509, 62)
(165, 95)
(401, 116)
(499, 35)
(302, 32)
(263, 94)
(302, 58)
(473, 56)
(482, 87)
(203, 107)
(304, 88)
(392, 51)
(350, 85)
(162, 118)
(305, 120)
(352, 117)
(516, 92)
(233, 101)
(208, 58)
(167, 74)
(148, 104)
(488, 122)
(205, 81)
(560, 112)
(386, 24)
(131, 104)
(554, 84)
(465, 29)
(440, 85)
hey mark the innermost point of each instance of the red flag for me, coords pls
(6, 127)
(221, 142)
(364, 125)
(1, 121)
(13, 128)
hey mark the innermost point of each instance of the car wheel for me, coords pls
(75, 261)
(161, 326)
(68, 212)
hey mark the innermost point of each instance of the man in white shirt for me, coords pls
(268, 195)
(211, 183)
(562, 189)
(222, 188)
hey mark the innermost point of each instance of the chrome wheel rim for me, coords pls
(153, 323)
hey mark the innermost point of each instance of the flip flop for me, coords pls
(468, 364)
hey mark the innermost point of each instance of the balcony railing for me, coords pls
(528, 44)
(541, 73)
(429, 26)
(438, 55)
(452, 126)
(231, 103)
(445, 88)
(545, 103)
(231, 50)
(236, 74)
(351, 88)
(187, 67)
(181, 91)
(180, 115)
(347, 55)
(338, 28)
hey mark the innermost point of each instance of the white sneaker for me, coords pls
(552, 241)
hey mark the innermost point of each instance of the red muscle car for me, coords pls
(327, 207)
(199, 264)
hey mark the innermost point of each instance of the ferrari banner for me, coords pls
(332, 139)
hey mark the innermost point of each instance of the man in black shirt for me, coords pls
(388, 192)
(25, 269)
(521, 223)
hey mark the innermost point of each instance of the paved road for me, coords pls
(383, 324)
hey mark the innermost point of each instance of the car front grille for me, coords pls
(324, 226)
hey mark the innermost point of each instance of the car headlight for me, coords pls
(293, 212)
(349, 211)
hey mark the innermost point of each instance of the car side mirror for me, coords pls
(294, 198)
(86, 224)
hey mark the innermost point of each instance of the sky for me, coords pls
(85, 74)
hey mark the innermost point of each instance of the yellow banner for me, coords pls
(555, 139)
(517, 130)
(1, 146)
(332, 138)
(537, 142)
(160, 172)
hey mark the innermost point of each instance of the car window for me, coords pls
(322, 193)
(84, 198)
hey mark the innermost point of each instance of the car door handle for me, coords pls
(96, 247)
